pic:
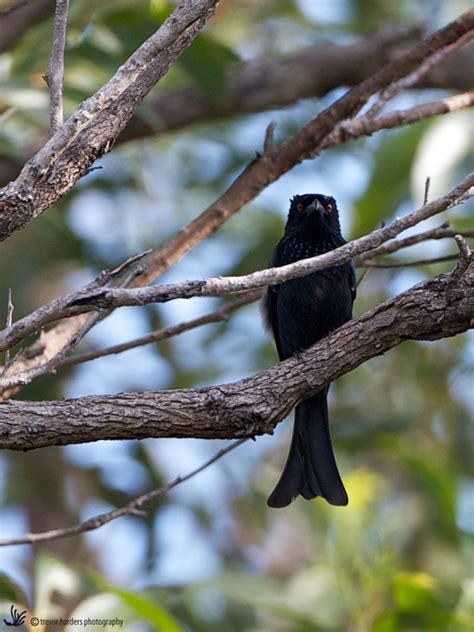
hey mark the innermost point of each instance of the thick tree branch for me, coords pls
(431, 310)
(85, 301)
(94, 126)
(54, 75)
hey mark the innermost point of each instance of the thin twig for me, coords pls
(406, 264)
(220, 314)
(131, 508)
(8, 323)
(82, 302)
(129, 262)
(362, 276)
(268, 141)
(7, 114)
(54, 75)
(52, 365)
(414, 77)
(427, 190)
(441, 232)
(466, 257)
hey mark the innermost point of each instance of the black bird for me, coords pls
(298, 313)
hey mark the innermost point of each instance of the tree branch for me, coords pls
(441, 232)
(223, 313)
(248, 185)
(366, 125)
(94, 126)
(434, 309)
(54, 75)
(218, 315)
(131, 508)
(86, 301)
(261, 84)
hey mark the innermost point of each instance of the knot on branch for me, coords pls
(466, 258)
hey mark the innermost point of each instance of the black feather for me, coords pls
(300, 312)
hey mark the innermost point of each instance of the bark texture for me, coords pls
(93, 128)
(435, 309)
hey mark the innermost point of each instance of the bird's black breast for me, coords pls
(303, 310)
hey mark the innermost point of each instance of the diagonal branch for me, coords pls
(94, 126)
(434, 309)
(220, 314)
(261, 84)
(86, 301)
(131, 508)
(245, 187)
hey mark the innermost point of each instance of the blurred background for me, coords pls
(210, 555)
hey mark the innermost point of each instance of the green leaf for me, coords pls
(148, 610)
(206, 61)
(143, 606)
(10, 591)
(160, 9)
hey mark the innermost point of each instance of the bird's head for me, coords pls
(315, 211)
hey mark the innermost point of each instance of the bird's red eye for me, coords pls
(299, 207)
(329, 207)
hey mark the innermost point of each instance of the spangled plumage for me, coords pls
(300, 312)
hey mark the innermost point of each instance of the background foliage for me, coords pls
(210, 555)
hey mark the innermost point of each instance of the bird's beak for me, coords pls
(315, 206)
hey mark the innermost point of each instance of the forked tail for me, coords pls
(310, 468)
